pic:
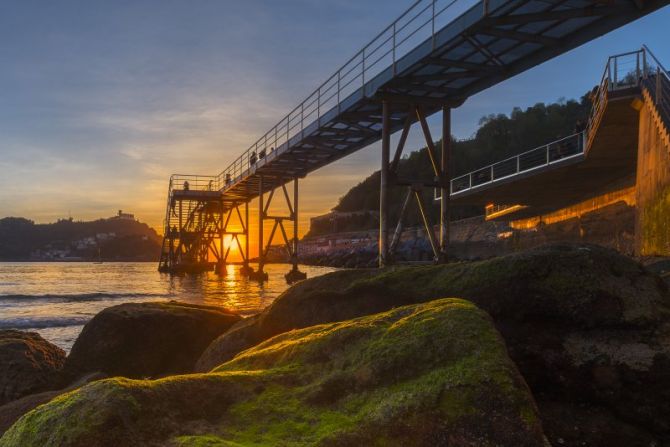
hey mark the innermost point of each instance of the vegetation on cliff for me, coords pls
(107, 239)
(422, 375)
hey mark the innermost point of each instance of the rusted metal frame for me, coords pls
(399, 226)
(242, 222)
(426, 223)
(288, 200)
(430, 145)
(483, 49)
(403, 139)
(266, 249)
(287, 244)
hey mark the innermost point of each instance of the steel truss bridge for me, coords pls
(431, 59)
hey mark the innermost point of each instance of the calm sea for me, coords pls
(57, 299)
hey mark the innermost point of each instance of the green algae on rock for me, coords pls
(583, 285)
(423, 375)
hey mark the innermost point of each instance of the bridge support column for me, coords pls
(260, 274)
(384, 184)
(445, 182)
(291, 246)
(246, 269)
(295, 274)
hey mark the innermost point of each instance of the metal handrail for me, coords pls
(617, 75)
(548, 154)
(351, 77)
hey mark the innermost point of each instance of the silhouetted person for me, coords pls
(227, 179)
(261, 154)
(210, 185)
(186, 185)
(252, 159)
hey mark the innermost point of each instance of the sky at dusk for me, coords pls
(100, 101)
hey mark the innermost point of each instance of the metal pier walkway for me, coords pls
(432, 58)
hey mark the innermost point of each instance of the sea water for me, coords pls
(57, 299)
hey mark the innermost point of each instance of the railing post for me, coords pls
(363, 71)
(433, 25)
(659, 85)
(394, 47)
(302, 120)
(637, 69)
(547, 153)
(339, 77)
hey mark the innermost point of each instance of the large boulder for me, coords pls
(435, 374)
(28, 364)
(585, 284)
(587, 327)
(141, 340)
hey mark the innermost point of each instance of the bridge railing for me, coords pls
(546, 155)
(416, 25)
(186, 182)
(658, 82)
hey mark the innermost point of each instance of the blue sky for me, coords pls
(100, 101)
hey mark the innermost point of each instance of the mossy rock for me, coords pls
(423, 375)
(586, 326)
(141, 340)
(28, 364)
(578, 285)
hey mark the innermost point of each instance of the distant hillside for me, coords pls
(114, 239)
(498, 137)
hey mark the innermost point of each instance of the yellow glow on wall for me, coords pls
(575, 211)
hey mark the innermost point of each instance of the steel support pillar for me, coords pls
(445, 181)
(246, 269)
(291, 246)
(384, 184)
(260, 274)
(295, 274)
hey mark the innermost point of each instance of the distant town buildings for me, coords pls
(124, 216)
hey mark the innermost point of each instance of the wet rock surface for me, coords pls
(587, 327)
(28, 364)
(12, 411)
(147, 339)
(398, 378)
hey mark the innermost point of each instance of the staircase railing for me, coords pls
(657, 82)
(540, 157)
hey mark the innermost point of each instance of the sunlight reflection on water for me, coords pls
(57, 299)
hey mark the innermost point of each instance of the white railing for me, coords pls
(546, 155)
(415, 26)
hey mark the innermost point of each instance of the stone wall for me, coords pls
(652, 226)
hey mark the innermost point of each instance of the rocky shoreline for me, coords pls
(563, 345)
